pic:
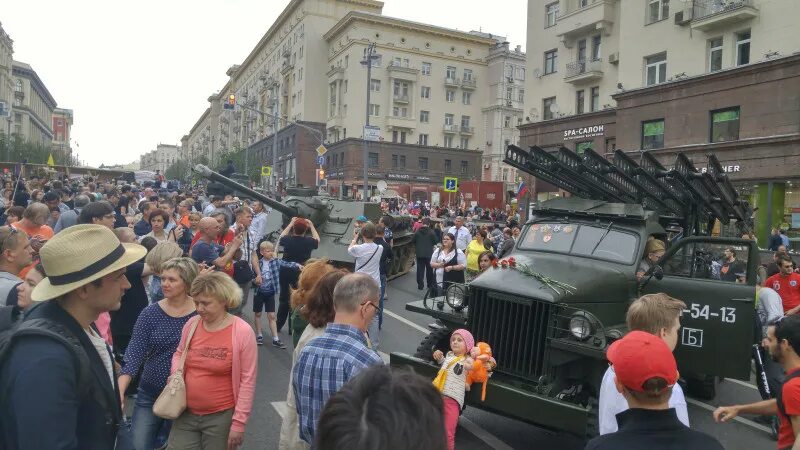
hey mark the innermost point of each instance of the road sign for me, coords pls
(450, 184)
(372, 133)
(320, 160)
(266, 171)
(321, 150)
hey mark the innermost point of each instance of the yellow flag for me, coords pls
(50, 161)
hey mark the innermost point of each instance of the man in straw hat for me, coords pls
(58, 383)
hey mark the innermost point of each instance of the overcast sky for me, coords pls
(139, 73)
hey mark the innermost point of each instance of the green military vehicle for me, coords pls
(550, 319)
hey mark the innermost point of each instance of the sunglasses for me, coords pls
(12, 232)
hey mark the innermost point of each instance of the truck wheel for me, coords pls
(438, 339)
(593, 418)
(702, 386)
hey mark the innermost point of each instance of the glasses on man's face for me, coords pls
(371, 303)
(109, 216)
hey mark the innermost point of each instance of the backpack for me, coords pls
(779, 394)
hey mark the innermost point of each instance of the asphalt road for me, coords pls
(402, 332)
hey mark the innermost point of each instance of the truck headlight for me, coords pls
(456, 297)
(582, 325)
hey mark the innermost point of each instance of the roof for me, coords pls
(25, 70)
(354, 16)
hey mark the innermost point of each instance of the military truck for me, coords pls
(334, 219)
(550, 319)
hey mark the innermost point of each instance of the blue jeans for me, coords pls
(149, 431)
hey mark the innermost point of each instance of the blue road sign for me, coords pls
(320, 160)
(450, 184)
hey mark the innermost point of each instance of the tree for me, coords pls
(179, 170)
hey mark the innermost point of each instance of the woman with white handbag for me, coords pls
(149, 353)
(213, 371)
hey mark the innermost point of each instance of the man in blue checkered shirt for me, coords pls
(326, 363)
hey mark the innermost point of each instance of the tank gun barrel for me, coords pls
(206, 172)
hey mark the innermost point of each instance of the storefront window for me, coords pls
(653, 134)
(725, 125)
(581, 146)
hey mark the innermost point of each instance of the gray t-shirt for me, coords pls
(769, 309)
(8, 282)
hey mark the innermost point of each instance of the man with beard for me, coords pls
(783, 343)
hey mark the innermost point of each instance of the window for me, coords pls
(507, 122)
(547, 103)
(550, 61)
(423, 139)
(521, 73)
(300, 74)
(550, 14)
(464, 142)
(399, 136)
(300, 52)
(505, 174)
(424, 116)
(374, 110)
(521, 95)
(465, 121)
(657, 10)
(399, 111)
(595, 100)
(580, 147)
(423, 163)
(509, 93)
(582, 50)
(448, 141)
(466, 97)
(743, 48)
(377, 60)
(448, 119)
(345, 86)
(426, 68)
(596, 47)
(394, 161)
(579, 101)
(373, 160)
(448, 166)
(451, 72)
(464, 167)
(425, 92)
(400, 89)
(715, 54)
(653, 134)
(725, 125)
(656, 69)
(375, 85)
(402, 161)
(467, 74)
(450, 96)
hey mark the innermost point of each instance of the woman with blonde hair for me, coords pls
(161, 253)
(219, 371)
(312, 272)
(153, 341)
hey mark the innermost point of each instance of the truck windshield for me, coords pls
(580, 239)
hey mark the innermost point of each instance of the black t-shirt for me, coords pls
(298, 248)
(729, 270)
(386, 255)
(133, 302)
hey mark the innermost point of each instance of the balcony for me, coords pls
(578, 21)
(400, 98)
(454, 82)
(395, 122)
(335, 74)
(468, 83)
(401, 72)
(580, 71)
(465, 129)
(451, 129)
(710, 14)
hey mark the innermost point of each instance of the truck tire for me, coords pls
(593, 418)
(438, 339)
(703, 387)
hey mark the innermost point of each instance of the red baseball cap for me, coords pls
(640, 356)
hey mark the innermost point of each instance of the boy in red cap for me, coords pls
(645, 373)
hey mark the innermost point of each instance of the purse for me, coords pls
(171, 403)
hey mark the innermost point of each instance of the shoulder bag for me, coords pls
(370, 258)
(172, 401)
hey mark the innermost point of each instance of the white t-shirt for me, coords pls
(102, 350)
(439, 257)
(463, 236)
(613, 403)
(362, 254)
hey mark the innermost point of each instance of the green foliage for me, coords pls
(16, 149)
(179, 170)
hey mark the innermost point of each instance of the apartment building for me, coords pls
(62, 134)
(6, 79)
(164, 156)
(33, 106)
(719, 77)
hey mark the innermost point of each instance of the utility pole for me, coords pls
(369, 55)
(275, 125)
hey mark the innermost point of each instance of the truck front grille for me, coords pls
(515, 327)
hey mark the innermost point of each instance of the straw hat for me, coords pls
(79, 255)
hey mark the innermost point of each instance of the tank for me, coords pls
(333, 218)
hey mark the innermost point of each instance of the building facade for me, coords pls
(62, 134)
(296, 153)
(6, 79)
(164, 156)
(748, 116)
(411, 170)
(33, 106)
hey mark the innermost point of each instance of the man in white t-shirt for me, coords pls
(462, 234)
(657, 314)
(368, 261)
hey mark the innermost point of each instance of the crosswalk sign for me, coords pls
(450, 184)
(266, 171)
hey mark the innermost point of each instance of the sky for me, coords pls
(137, 74)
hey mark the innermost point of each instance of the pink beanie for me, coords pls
(469, 341)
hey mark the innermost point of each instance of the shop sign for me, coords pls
(399, 176)
(419, 178)
(728, 169)
(584, 132)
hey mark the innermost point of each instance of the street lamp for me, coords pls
(369, 56)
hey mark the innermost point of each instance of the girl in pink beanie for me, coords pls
(452, 379)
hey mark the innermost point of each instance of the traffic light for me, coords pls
(231, 102)
(321, 174)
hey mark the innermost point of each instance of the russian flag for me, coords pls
(522, 189)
